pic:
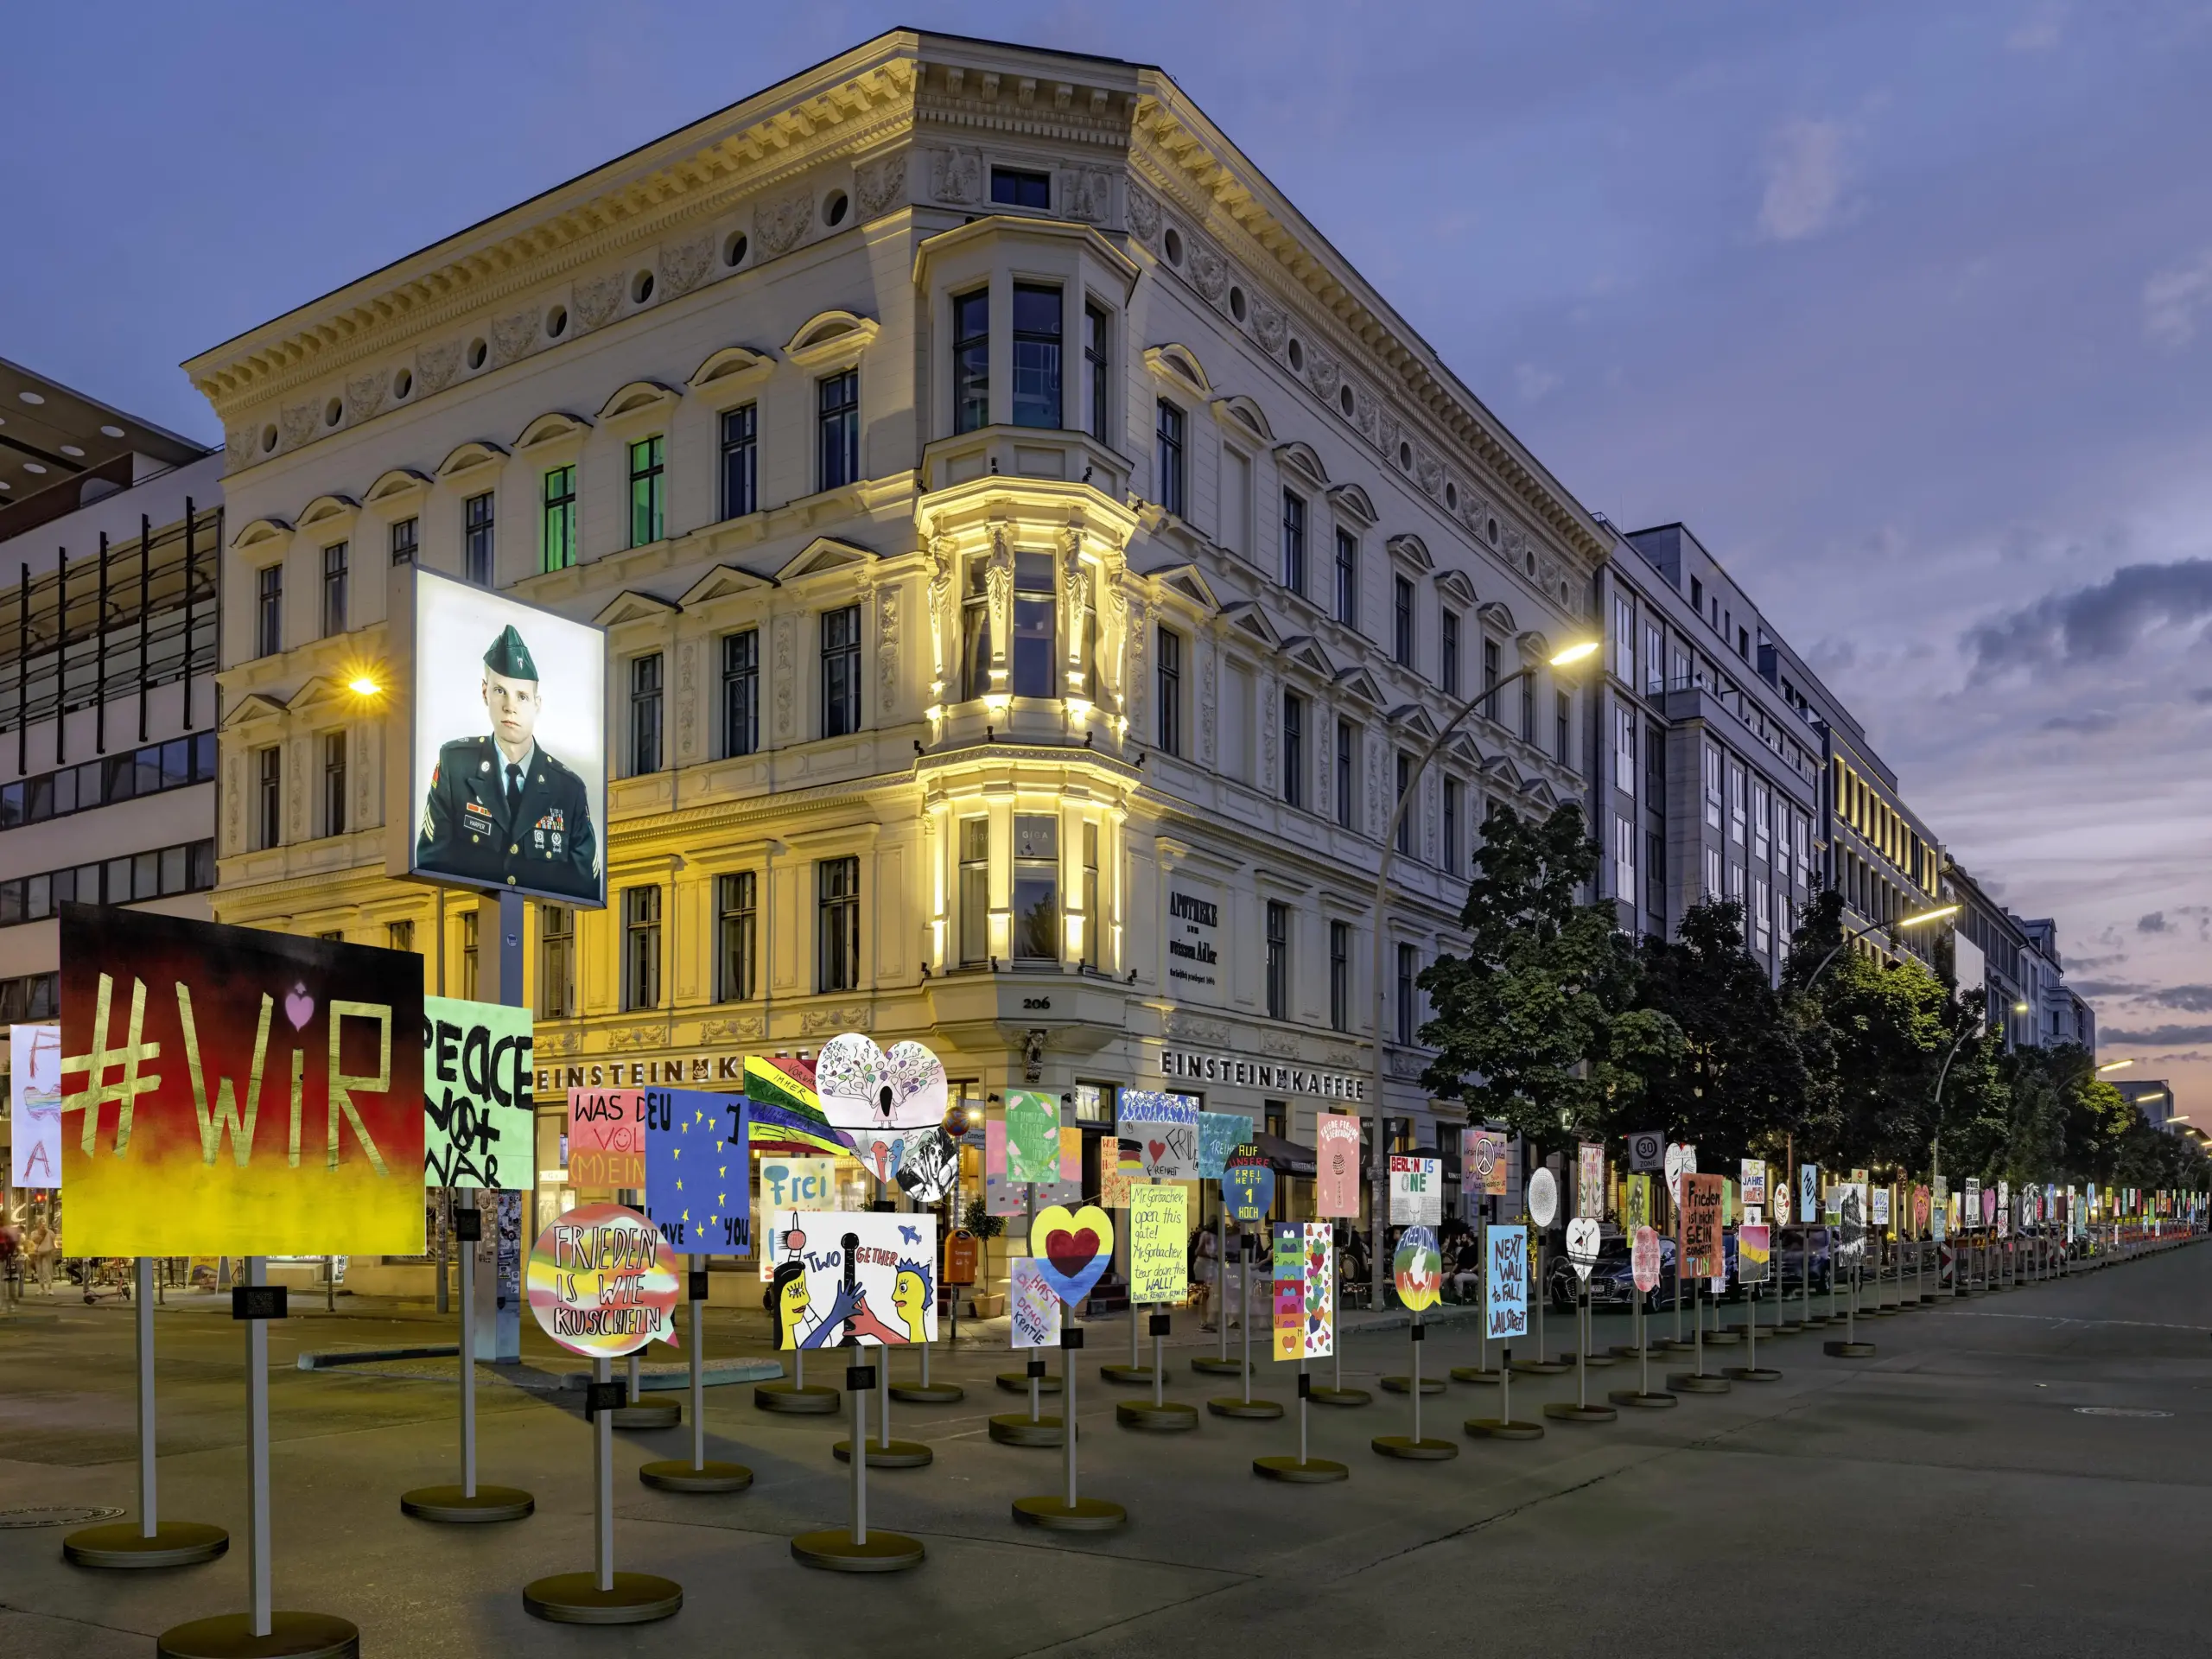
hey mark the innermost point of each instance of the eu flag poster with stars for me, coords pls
(698, 1180)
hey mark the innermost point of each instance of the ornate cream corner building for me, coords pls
(1026, 548)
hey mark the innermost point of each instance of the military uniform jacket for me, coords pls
(547, 846)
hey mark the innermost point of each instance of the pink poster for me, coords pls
(1336, 1165)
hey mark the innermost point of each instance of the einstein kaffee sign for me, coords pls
(1227, 1068)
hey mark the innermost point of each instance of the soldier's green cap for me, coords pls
(510, 656)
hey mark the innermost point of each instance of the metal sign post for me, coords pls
(699, 1475)
(602, 1596)
(1070, 1512)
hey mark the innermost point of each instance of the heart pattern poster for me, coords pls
(1303, 1314)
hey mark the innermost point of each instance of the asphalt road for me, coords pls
(2016, 1474)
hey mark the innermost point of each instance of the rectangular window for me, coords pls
(1339, 975)
(741, 453)
(1292, 570)
(468, 955)
(1735, 883)
(1563, 733)
(971, 360)
(644, 714)
(1624, 858)
(840, 671)
(1409, 970)
(737, 935)
(1624, 749)
(1624, 639)
(648, 458)
(1447, 654)
(1736, 813)
(1762, 917)
(269, 790)
(837, 430)
(1035, 609)
(405, 540)
(333, 783)
(1711, 769)
(1168, 716)
(1345, 767)
(268, 611)
(1016, 187)
(1762, 820)
(1654, 879)
(976, 631)
(1489, 675)
(1036, 887)
(1401, 621)
(556, 534)
(640, 948)
(741, 691)
(1095, 378)
(1294, 748)
(975, 940)
(1529, 709)
(1278, 960)
(334, 590)
(837, 925)
(1451, 825)
(1167, 460)
(1655, 669)
(1094, 920)
(1712, 888)
(1404, 807)
(476, 539)
(1347, 579)
(557, 962)
(1036, 356)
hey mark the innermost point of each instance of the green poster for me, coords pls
(1032, 1136)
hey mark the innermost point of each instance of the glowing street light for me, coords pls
(1935, 915)
(1573, 653)
(2115, 1065)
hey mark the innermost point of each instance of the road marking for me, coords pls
(2118, 1411)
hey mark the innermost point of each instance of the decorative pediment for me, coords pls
(552, 427)
(327, 511)
(1353, 503)
(1411, 549)
(1500, 767)
(1301, 461)
(262, 537)
(253, 710)
(319, 690)
(1179, 364)
(1358, 682)
(1246, 616)
(1534, 647)
(1243, 417)
(830, 336)
(723, 581)
(1497, 616)
(1453, 585)
(400, 485)
(1463, 749)
(469, 456)
(729, 364)
(631, 605)
(638, 398)
(1412, 717)
(1186, 580)
(822, 555)
(1306, 652)
(1539, 794)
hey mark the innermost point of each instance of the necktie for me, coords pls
(514, 788)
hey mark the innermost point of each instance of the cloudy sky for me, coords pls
(1907, 309)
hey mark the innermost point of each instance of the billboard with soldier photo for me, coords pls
(507, 767)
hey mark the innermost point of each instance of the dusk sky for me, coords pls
(1905, 310)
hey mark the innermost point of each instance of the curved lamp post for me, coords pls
(1378, 1176)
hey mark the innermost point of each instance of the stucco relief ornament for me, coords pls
(1075, 587)
(1322, 770)
(886, 648)
(239, 446)
(512, 336)
(596, 300)
(1211, 272)
(1429, 472)
(1138, 636)
(1205, 723)
(998, 593)
(957, 176)
(940, 590)
(776, 223)
(298, 423)
(1144, 215)
(1323, 374)
(364, 396)
(687, 676)
(1085, 193)
(681, 267)
(880, 183)
(434, 365)
(784, 676)
(1269, 701)
(1363, 413)
(1270, 325)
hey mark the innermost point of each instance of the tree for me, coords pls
(1536, 1025)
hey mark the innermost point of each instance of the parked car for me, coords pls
(1612, 1280)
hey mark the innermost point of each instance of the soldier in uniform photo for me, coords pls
(501, 812)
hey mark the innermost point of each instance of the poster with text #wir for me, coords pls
(867, 1275)
(35, 1105)
(1417, 1191)
(1164, 1130)
(1033, 1306)
(1159, 1234)
(606, 1137)
(477, 1079)
(1505, 1282)
(1032, 1136)
(231, 1092)
(603, 1282)
(696, 1185)
(1335, 1164)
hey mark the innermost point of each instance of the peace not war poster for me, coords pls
(477, 1082)
(227, 1091)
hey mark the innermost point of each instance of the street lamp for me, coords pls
(1378, 1177)
(1915, 920)
(2113, 1065)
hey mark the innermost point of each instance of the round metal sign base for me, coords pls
(1212, 1366)
(1814, 1322)
(1230, 1405)
(174, 1543)
(834, 1551)
(1596, 1359)
(1787, 1328)
(1848, 1350)
(1173, 1417)
(576, 1599)
(1753, 1373)
(1476, 1374)
(1543, 1367)
(1014, 1429)
(648, 1415)
(928, 1394)
(1657, 1400)
(1341, 1398)
(1630, 1350)
(899, 1454)
(291, 1636)
(456, 1508)
(1675, 1345)
(1724, 1339)
(1413, 1450)
(1566, 1411)
(1697, 1382)
(1018, 1382)
(1404, 1385)
(675, 1476)
(1056, 1514)
(1310, 1471)
(1133, 1376)
(793, 1401)
(1500, 1428)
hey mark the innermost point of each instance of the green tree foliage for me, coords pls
(1537, 1025)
